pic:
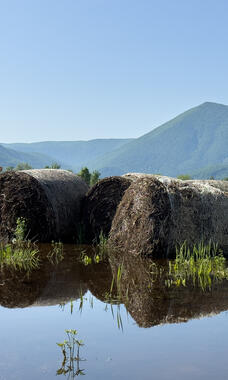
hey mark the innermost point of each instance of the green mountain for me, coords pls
(75, 154)
(195, 139)
(10, 157)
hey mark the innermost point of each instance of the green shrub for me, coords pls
(184, 177)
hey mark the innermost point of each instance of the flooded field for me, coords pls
(111, 317)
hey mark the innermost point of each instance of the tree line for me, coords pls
(89, 177)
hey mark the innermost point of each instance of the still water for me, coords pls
(176, 332)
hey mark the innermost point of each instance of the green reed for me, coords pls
(55, 256)
(116, 295)
(20, 230)
(20, 256)
(201, 264)
(102, 245)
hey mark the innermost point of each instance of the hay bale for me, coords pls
(48, 199)
(218, 184)
(157, 213)
(100, 205)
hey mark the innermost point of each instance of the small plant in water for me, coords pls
(56, 253)
(20, 254)
(115, 294)
(70, 356)
(18, 257)
(201, 264)
(102, 246)
(85, 259)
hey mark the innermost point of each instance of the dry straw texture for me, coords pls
(100, 205)
(157, 213)
(49, 200)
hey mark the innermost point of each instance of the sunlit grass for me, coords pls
(202, 265)
(19, 256)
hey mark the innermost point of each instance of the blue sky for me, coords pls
(85, 69)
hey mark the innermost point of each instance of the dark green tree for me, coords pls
(94, 177)
(85, 174)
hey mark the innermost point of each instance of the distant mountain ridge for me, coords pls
(11, 157)
(195, 142)
(74, 154)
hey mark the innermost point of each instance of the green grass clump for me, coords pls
(202, 264)
(22, 256)
(20, 230)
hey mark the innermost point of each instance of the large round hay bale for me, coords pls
(100, 205)
(48, 199)
(158, 213)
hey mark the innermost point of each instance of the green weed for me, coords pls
(202, 264)
(85, 259)
(95, 259)
(20, 230)
(115, 294)
(56, 254)
(23, 256)
(70, 356)
(102, 245)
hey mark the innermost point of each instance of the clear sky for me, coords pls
(85, 69)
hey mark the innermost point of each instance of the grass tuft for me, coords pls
(202, 264)
(20, 256)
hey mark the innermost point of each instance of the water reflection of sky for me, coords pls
(196, 349)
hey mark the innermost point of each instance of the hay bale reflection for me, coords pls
(150, 302)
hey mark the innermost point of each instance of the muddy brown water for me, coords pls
(143, 330)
